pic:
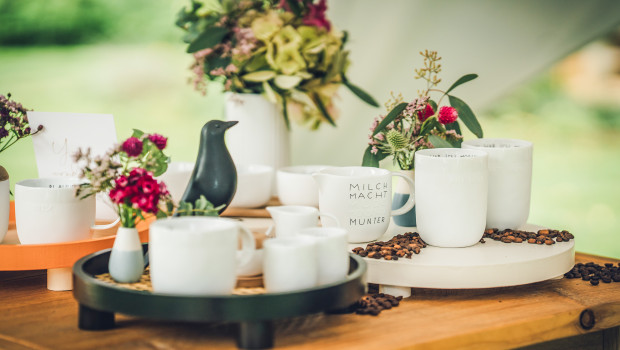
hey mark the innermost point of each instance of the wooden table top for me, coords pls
(31, 317)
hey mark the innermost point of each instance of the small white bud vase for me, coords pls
(126, 259)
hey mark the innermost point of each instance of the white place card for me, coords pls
(62, 135)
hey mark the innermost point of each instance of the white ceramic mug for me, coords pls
(331, 252)
(361, 199)
(47, 211)
(451, 196)
(197, 255)
(510, 180)
(296, 185)
(253, 186)
(289, 219)
(289, 264)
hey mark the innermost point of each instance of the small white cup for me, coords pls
(47, 211)
(177, 178)
(296, 186)
(197, 255)
(510, 180)
(289, 264)
(253, 186)
(289, 219)
(331, 252)
(451, 196)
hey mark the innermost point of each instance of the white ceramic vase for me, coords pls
(261, 136)
(126, 262)
(5, 205)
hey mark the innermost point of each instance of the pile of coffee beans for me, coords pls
(400, 246)
(546, 236)
(595, 273)
(373, 304)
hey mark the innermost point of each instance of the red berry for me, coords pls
(426, 113)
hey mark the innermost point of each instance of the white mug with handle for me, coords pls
(198, 255)
(360, 198)
(290, 219)
(47, 211)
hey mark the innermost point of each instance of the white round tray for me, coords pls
(485, 265)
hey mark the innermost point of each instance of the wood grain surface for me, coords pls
(31, 317)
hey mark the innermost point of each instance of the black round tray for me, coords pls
(98, 301)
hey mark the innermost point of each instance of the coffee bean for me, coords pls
(606, 280)
(609, 265)
(594, 282)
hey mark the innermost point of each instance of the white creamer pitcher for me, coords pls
(290, 219)
(360, 198)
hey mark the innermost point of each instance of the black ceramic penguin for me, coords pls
(214, 175)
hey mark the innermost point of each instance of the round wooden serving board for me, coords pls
(485, 265)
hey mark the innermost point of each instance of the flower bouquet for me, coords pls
(287, 51)
(421, 123)
(13, 127)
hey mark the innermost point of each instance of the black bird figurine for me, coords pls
(214, 175)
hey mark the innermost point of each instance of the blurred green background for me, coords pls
(126, 58)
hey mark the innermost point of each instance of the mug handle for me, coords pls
(411, 201)
(331, 217)
(248, 247)
(106, 226)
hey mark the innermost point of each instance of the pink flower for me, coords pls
(447, 115)
(122, 181)
(159, 141)
(374, 150)
(426, 113)
(132, 146)
(315, 15)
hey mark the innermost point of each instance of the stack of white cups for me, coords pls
(303, 255)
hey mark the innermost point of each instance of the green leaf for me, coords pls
(466, 115)
(294, 6)
(390, 117)
(214, 62)
(161, 215)
(285, 113)
(363, 95)
(260, 76)
(370, 159)
(456, 127)
(428, 125)
(287, 82)
(209, 38)
(462, 80)
(438, 142)
(317, 101)
(433, 105)
(137, 133)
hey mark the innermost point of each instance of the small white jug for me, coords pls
(290, 219)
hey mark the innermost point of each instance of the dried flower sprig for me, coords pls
(420, 124)
(14, 124)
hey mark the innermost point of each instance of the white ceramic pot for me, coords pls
(261, 136)
(254, 184)
(126, 262)
(332, 255)
(289, 264)
(5, 207)
(451, 196)
(295, 185)
(510, 180)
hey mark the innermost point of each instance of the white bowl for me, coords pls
(176, 178)
(296, 185)
(253, 186)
